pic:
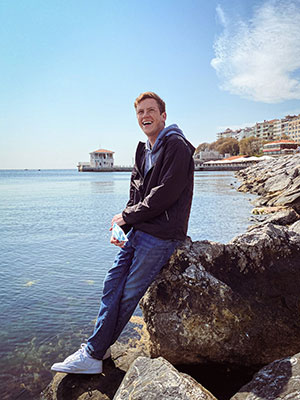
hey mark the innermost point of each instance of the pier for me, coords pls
(116, 168)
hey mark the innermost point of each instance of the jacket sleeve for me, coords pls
(175, 171)
(131, 190)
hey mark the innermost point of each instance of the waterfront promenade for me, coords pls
(234, 163)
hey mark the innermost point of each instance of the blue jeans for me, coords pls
(134, 269)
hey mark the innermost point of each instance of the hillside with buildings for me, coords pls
(275, 129)
(268, 138)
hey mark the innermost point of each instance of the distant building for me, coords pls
(264, 130)
(294, 129)
(237, 134)
(102, 159)
(233, 163)
(245, 133)
(99, 160)
(206, 155)
(275, 129)
(278, 147)
(228, 133)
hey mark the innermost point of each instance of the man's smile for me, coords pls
(147, 123)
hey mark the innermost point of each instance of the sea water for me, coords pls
(55, 252)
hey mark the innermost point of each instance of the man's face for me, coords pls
(150, 119)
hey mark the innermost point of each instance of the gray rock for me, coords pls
(283, 217)
(277, 181)
(235, 303)
(295, 227)
(157, 379)
(279, 380)
(84, 387)
(291, 196)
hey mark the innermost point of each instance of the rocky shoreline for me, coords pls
(230, 309)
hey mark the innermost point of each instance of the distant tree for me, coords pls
(216, 144)
(250, 146)
(247, 146)
(230, 146)
(212, 146)
(202, 147)
(226, 145)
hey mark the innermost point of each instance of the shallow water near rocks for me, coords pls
(55, 252)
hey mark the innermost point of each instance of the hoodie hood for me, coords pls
(167, 131)
(152, 153)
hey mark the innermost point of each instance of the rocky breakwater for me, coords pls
(277, 182)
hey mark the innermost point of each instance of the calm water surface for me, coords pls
(55, 251)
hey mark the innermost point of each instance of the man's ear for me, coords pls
(164, 115)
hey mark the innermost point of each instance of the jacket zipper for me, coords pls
(167, 216)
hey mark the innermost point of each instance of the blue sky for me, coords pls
(71, 70)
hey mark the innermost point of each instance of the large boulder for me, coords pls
(228, 304)
(155, 379)
(279, 380)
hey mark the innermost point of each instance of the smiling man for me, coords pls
(156, 220)
(151, 118)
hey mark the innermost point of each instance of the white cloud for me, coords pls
(221, 15)
(259, 58)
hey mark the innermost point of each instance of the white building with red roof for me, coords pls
(280, 147)
(99, 160)
(102, 159)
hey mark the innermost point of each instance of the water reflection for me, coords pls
(214, 183)
(102, 187)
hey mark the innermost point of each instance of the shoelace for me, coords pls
(79, 353)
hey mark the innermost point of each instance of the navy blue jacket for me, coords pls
(160, 202)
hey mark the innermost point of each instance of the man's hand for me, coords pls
(116, 242)
(118, 219)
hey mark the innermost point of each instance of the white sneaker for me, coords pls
(83, 346)
(80, 363)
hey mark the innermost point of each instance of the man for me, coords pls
(156, 219)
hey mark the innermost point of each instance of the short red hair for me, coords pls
(151, 95)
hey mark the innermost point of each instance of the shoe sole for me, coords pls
(92, 372)
(61, 369)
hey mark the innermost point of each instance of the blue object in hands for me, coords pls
(118, 233)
